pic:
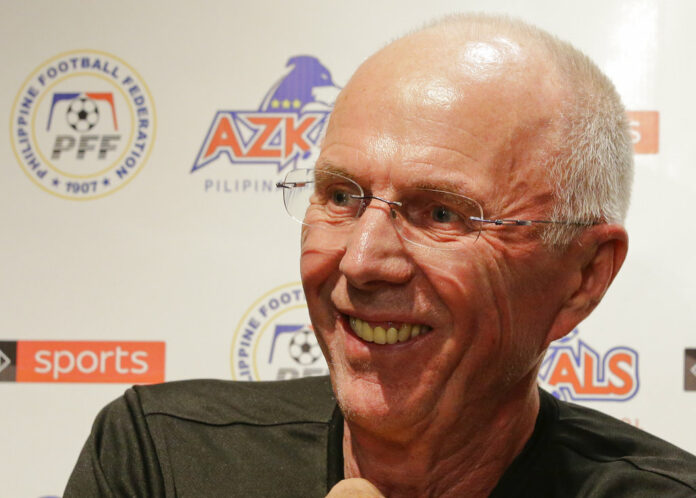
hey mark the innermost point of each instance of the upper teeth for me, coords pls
(390, 335)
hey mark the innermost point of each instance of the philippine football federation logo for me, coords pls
(83, 124)
(282, 133)
(574, 371)
(274, 339)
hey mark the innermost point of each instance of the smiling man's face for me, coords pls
(474, 119)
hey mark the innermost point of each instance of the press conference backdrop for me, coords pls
(143, 239)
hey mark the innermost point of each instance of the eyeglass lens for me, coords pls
(426, 217)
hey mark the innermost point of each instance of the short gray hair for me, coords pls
(591, 167)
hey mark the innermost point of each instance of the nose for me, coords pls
(375, 253)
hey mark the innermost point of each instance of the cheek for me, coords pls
(319, 258)
(319, 271)
(502, 305)
(469, 287)
(477, 293)
(471, 356)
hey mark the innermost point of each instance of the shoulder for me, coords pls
(614, 456)
(219, 402)
(210, 438)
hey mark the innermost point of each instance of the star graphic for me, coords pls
(105, 181)
(56, 182)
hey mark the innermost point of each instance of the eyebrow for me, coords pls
(445, 185)
(331, 168)
(452, 187)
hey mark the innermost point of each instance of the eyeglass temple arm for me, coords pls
(530, 222)
(292, 184)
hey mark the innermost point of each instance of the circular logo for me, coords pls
(274, 339)
(83, 124)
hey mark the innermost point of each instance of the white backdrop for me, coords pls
(205, 261)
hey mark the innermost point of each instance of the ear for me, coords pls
(595, 258)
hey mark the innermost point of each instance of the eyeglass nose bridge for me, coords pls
(391, 204)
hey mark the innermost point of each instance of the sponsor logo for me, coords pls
(82, 125)
(274, 339)
(690, 369)
(83, 361)
(574, 371)
(645, 131)
(284, 132)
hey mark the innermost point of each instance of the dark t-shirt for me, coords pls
(209, 438)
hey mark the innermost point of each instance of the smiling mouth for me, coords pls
(389, 334)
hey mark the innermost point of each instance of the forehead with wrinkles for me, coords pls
(435, 71)
(494, 94)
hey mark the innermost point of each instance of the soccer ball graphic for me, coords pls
(83, 114)
(304, 348)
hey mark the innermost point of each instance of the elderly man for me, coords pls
(465, 211)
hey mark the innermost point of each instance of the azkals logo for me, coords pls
(82, 361)
(574, 371)
(83, 125)
(274, 339)
(284, 132)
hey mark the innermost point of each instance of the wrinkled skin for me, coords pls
(464, 394)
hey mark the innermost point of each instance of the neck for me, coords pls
(464, 459)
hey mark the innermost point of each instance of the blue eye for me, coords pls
(443, 215)
(340, 197)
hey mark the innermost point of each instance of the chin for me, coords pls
(361, 400)
(368, 404)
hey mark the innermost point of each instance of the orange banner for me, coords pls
(645, 131)
(90, 361)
